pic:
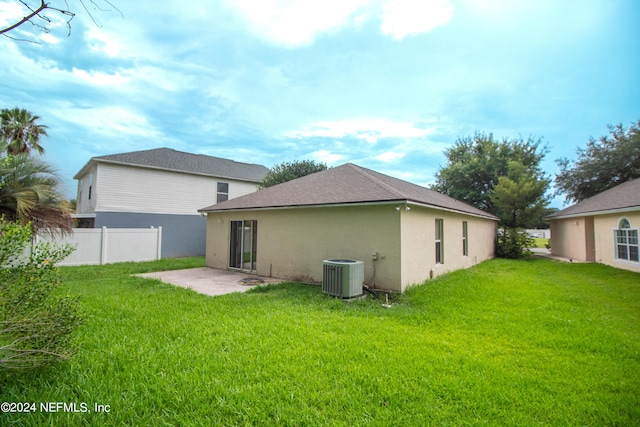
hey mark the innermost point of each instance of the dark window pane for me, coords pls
(622, 252)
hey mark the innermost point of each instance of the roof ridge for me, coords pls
(365, 172)
(170, 159)
(179, 152)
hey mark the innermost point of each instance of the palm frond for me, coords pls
(29, 193)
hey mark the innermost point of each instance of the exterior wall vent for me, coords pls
(342, 277)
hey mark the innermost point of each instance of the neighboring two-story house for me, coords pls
(161, 188)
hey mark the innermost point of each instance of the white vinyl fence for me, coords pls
(107, 245)
(542, 233)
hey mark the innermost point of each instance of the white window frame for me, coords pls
(222, 196)
(465, 238)
(627, 238)
(90, 185)
(439, 241)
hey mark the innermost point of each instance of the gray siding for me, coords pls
(182, 235)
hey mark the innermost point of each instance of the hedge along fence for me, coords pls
(97, 246)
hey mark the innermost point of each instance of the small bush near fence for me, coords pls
(514, 243)
(36, 326)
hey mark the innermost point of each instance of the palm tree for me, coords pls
(18, 128)
(29, 194)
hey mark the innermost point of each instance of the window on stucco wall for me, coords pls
(439, 241)
(465, 242)
(626, 239)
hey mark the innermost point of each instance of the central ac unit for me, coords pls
(342, 277)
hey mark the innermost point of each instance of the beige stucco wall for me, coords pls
(418, 243)
(591, 238)
(292, 243)
(605, 248)
(569, 238)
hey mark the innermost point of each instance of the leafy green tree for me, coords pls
(36, 322)
(288, 171)
(519, 198)
(603, 164)
(29, 193)
(476, 164)
(20, 132)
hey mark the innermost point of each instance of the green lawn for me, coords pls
(505, 343)
(541, 242)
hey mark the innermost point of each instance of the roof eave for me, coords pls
(595, 213)
(83, 171)
(458, 211)
(332, 205)
(212, 209)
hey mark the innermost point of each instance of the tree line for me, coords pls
(505, 177)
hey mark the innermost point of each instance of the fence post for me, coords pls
(103, 246)
(159, 242)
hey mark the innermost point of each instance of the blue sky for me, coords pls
(385, 84)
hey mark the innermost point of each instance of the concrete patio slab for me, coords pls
(546, 253)
(210, 281)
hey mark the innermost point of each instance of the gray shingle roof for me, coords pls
(179, 161)
(623, 196)
(346, 184)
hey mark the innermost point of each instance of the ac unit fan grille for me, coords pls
(342, 278)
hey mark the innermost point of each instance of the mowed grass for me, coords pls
(526, 343)
(541, 242)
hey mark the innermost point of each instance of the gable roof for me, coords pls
(346, 184)
(179, 161)
(621, 198)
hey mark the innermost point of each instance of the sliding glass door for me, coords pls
(243, 245)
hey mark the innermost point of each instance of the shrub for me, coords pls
(513, 243)
(36, 324)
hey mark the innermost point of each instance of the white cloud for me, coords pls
(296, 22)
(49, 38)
(98, 78)
(113, 122)
(402, 18)
(10, 13)
(326, 156)
(100, 41)
(369, 130)
(389, 156)
(165, 79)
